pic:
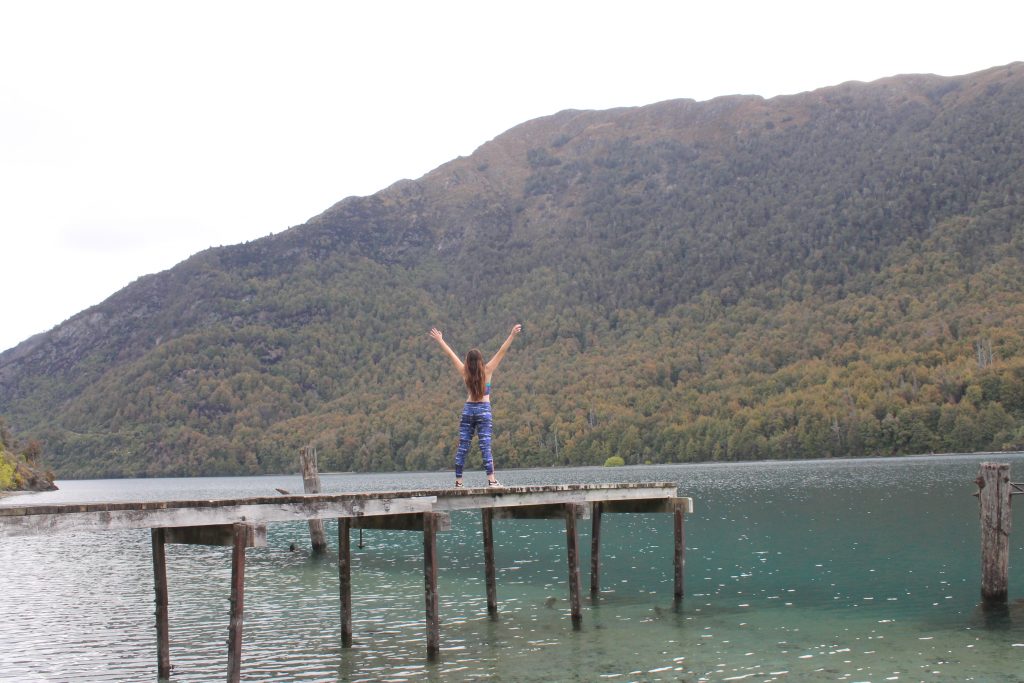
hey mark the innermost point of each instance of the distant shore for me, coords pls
(721, 463)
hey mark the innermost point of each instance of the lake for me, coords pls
(845, 570)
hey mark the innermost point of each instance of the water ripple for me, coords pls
(851, 570)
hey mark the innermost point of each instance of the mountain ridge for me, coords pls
(579, 219)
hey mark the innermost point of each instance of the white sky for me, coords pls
(134, 134)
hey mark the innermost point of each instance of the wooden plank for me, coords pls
(217, 534)
(545, 511)
(572, 547)
(595, 548)
(452, 499)
(311, 484)
(45, 519)
(490, 576)
(679, 556)
(430, 586)
(467, 499)
(994, 507)
(163, 644)
(237, 604)
(143, 506)
(406, 522)
(552, 488)
(280, 509)
(345, 579)
(649, 505)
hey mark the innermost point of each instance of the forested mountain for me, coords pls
(825, 274)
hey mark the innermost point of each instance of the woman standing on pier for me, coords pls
(476, 413)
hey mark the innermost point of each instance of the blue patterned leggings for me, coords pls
(476, 417)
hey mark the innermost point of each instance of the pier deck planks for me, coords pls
(46, 519)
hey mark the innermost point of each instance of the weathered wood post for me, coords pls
(487, 515)
(572, 546)
(345, 580)
(311, 484)
(994, 491)
(679, 508)
(163, 645)
(595, 550)
(241, 536)
(430, 525)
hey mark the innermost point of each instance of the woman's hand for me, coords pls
(436, 334)
(492, 365)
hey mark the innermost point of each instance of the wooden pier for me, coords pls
(241, 524)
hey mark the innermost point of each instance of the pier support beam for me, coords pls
(237, 603)
(994, 492)
(163, 644)
(487, 515)
(430, 526)
(311, 484)
(572, 546)
(345, 580)
(595, 550)
(677, 506)
(240, 536)
(430, 523)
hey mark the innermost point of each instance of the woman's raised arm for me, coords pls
(493, 364)
(439, 338)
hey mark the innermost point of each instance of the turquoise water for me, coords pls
(858, 570)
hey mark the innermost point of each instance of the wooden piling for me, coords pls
(487, 517)
(345, 580)
(678, 515)
(595, 550)
(572, 547)
(311, 484)
(430, 524)
(237, 603)
(994, 491)
(163, 644)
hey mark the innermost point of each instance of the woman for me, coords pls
(476, 414)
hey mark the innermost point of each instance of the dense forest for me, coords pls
(835, 273)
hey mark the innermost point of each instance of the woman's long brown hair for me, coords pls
(473, 373)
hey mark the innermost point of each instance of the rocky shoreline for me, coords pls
(35, 479)
(16, 475)
(28, 478)
(20, 465)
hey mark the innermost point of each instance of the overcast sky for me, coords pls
(135, 134)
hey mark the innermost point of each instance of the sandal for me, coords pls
(458, 485)
(494, 484)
